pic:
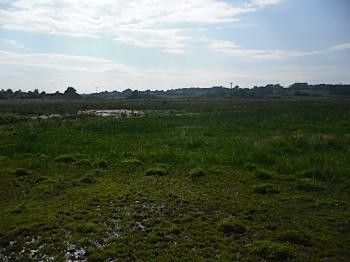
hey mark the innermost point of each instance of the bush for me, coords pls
(231, 226)
(65, 159)
(21, 172)
(263, 174)
(265, 189)
(294, 237)
(272, 251)
(196, 172)
(159, 170)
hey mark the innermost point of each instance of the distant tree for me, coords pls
(71, 92)
(299, 86)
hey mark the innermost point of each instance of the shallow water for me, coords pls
(115, 113)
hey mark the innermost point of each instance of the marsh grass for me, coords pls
(275, 186)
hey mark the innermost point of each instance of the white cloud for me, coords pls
(265, 2)
(232, 49)
(64, 63)
(12, 43)
(341, 46)
(51, 72)
(146, 23)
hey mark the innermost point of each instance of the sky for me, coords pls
(165, 44)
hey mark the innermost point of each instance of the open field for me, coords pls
(190, 180)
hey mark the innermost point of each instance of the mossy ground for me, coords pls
(85, 192)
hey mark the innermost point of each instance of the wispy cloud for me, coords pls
(231, 49)
(145, 23)
(341, 46)
(12, 43)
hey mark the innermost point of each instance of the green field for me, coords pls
(190, 180)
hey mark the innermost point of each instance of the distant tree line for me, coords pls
(8, 94)
(270, 90)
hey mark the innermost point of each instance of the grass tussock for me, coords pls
(159, 170)
(196, 173)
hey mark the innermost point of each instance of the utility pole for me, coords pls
(231, 94)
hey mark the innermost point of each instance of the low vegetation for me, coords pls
(190, 180)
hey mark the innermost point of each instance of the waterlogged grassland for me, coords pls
(255, 181)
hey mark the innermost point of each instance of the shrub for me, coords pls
(231, 226)
(294, 237)
(21, 172)
(263, 174)
(101, 164)
(65, 159)
(196, 172)
(265, 189)
(159, 170)
(272, 251)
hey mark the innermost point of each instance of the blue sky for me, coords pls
(158, 44)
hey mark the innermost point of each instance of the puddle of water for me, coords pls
(114, 113)
(75, 253)
(46, 116)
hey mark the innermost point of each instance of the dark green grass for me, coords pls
(274, 187)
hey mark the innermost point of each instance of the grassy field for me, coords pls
(193, 180)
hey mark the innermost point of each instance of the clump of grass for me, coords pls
(159, 170)
(3, 158)
(65, 159)
(16, 209)
(88, 179)
(251, 166)
(86, 227)
(97, 172)
(21, 172)
(195, 144)
(308, 185)
(132, 161)
(231, 226)
(265, 189)
(196, 173)
(42, 157)
(263, 174)
(9, 118)
(315, 174)
(294, 237)
(272, 251)
(83, 163)
(102, 163)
